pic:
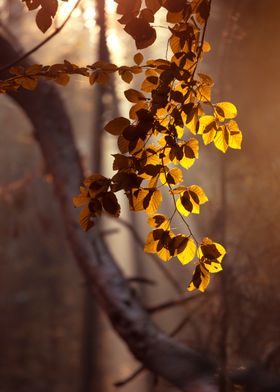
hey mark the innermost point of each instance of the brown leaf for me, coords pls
(43, 20)
(110, 204)
(116, 126)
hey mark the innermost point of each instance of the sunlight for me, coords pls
(64, 10)
(89, 15)
(87, 10)
(113, 41)
(110, 6)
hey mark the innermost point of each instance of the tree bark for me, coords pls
(158, 352)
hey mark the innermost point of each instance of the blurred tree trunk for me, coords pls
(91, 313)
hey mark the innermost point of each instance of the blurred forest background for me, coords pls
(52, 336)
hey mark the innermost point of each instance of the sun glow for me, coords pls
(110, 6)
(65, 8)
(86, 11)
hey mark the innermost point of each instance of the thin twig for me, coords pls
(122, 383)
(140, 279)
(180, 326)
(201, 41)
(171, 304)
(42, 43)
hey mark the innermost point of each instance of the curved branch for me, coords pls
(157, 351)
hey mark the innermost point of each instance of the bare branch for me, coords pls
(136, 373)
(171, 304)
(142, 280)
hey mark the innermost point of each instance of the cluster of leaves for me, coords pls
(46, 13)
(170, 115)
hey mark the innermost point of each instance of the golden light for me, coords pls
(110, 6)
(65, 8)
(86, 10)
(89, 15)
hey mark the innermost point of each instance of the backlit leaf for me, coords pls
(200, 279)
(134, 95)
(235, 135)
(226, 110)
(221, 140)
(186, 251)
(86, 219)
(190, 153)
(159, 221)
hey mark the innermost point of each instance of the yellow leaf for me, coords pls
(80, 200)
(184, 206)
(150, 84)
(211, 250)
(209, 135)
(199, 192)
(225, 110)
(86, 219)
(159, 221)
(213, 267)
(172, 177)
(164, 254)
(206, 123)
(221, 140)
(179, 190)
(138, 196)
(151, 244)
(206, 47)
(205, 79)
(154, 202)
(204, 93)
(200, 279)
(190, 200)
(193, 123)
(188, 253)
(235, 135)
(190, 150)
(211, 254)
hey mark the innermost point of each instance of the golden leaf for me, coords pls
(225, 110)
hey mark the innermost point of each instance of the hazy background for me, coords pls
(51, 334)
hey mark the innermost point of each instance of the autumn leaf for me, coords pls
(116, 126)
(200, 279)
(225, 110)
